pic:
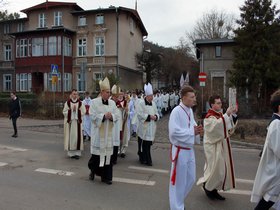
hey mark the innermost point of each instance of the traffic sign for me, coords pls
(202, 84)
(54, 69)
(202, 77)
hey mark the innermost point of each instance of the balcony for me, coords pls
(7, 64)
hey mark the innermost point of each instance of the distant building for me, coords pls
(215, 59)
(83, 44)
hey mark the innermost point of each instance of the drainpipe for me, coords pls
(117, 19)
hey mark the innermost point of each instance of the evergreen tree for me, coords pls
(4, 15)
(257, 54)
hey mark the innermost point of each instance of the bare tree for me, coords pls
(213, 25)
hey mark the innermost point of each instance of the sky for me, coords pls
(165, 20)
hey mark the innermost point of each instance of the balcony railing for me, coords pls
(7, 64)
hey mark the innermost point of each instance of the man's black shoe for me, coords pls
(109, 182)
(122, 155)
(210, 194)
(149, 164)
(91, 176)
(218, 196)
(15, 135)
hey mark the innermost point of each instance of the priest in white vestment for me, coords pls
(147, 115)
(183, 133)
(266, 189)
(115, 91)
(86, 118)
(73, 112)
(104, 117)
(219, 168)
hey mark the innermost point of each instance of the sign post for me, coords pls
(202, 79)
(54, 73)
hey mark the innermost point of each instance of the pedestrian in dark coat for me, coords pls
(14, 111)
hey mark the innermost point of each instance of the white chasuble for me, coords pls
(102, 130)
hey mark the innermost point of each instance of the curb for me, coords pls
(245, 144)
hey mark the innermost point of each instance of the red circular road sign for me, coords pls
(202, 76)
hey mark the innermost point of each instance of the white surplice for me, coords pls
(146, 130)
(267, 181)
(219, 168)
(86, 118)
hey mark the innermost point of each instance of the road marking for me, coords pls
(53, 171)
(134, 181)
(237, 192)
(12, 148)
(245, 181)
(149, 169)
(3, 164)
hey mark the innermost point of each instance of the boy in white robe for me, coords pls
(219, 169)
(86, 117)
(266, 189)
(132, 113)
(183, 133)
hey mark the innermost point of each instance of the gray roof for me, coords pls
(213, 41)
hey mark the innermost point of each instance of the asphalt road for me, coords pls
(27, 182)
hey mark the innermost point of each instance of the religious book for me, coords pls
(232, 98)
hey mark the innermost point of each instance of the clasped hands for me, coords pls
(108, 116)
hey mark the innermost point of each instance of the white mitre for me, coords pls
(115, 90)
(104, 84)
(148, 89)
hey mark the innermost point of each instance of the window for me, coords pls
(59, 46)
(7, 82)
(52, 45)
(67, 46)
(57, 18)
(37, 47)
(131, 25)
(99, 46)
(81, 83)
(22, 48)
(20, 27)
(6, 28)
(218, 51)
(8, 52)
(99, 19)
(67, 82)
(82, 47)
(42, 21)
(23, 82)
(82, 21)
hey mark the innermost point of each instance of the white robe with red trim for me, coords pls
(181, 133)
(71, 134)
(218, 169)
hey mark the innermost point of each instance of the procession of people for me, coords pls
(111, 119)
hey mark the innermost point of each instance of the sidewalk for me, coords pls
(56, 126)
(23, 123)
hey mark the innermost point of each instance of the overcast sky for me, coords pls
(165, 20)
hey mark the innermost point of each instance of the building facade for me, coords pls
(78, 46)
(215, 59)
